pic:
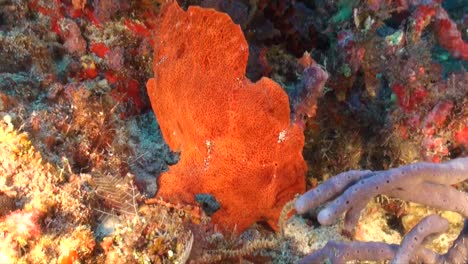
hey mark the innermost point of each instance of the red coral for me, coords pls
(100, 49)
(421, 18)
(126, 92)
(449, 36)
(407, 100)
(235, 136)
(437, 117)
(461, 136)
(89, 69)
(445, 28)
(138, 28)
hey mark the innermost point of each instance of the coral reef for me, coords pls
(72, 146)
(31, 183)
(81, 149)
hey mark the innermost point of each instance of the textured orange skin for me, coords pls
(235, 136)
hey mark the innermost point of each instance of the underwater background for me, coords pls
(153, 131)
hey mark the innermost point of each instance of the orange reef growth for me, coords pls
(236, 140)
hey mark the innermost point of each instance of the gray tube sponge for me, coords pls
(458, 253)
(432, 224)
(410, 250)
(425, 183)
